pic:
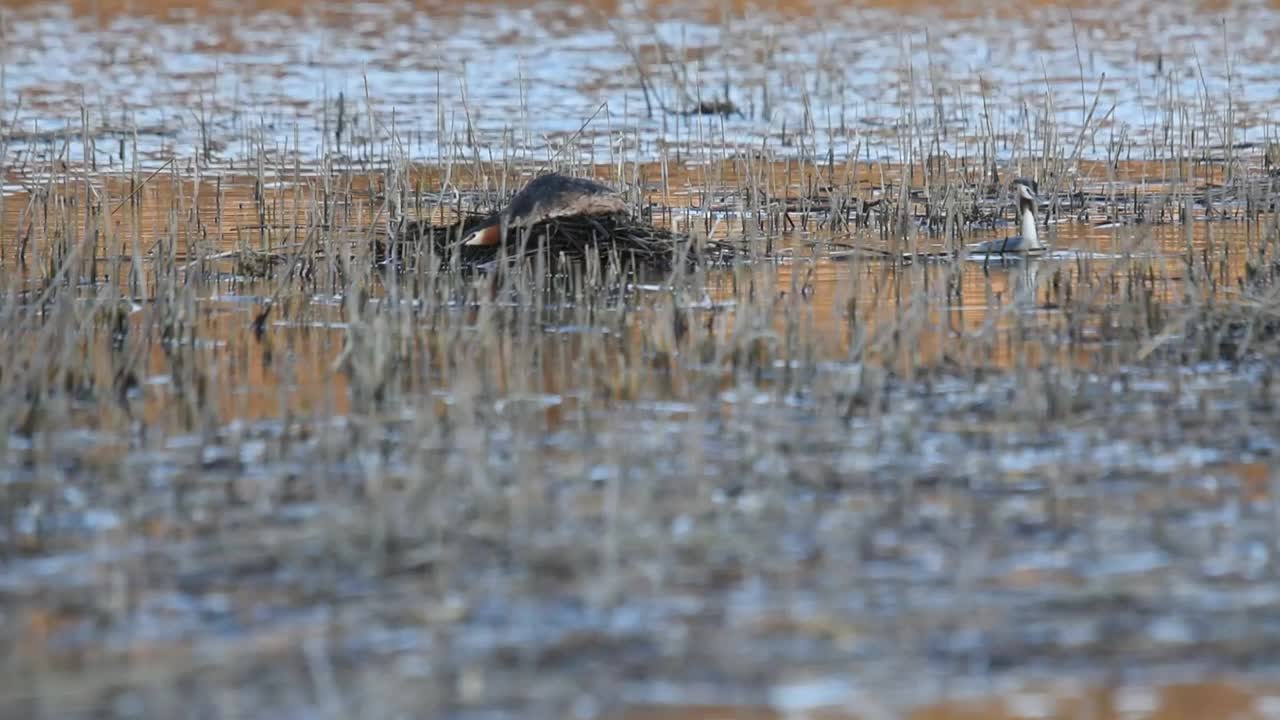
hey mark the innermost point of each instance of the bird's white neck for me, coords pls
(1027, 211)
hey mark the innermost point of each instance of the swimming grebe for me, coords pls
(545, 197)
(1028, 241)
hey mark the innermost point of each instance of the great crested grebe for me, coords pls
(546, 197)
(1028, 240)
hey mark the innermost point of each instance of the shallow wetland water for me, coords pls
(247, 472)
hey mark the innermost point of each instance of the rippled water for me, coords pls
(844, 79)
(593, 515)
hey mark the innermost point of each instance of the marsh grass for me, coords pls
(271, 473)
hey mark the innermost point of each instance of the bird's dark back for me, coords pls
(552, 189)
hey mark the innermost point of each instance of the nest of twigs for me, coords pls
(616, 238)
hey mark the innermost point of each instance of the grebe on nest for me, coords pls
(1028, 241)
(567, 217)
(547, 197)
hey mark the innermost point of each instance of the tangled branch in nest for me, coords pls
(616, 237)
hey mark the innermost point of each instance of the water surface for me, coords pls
(826, 481)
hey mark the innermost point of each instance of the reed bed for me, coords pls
(248, 467)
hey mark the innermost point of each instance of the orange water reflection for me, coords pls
(915, 316)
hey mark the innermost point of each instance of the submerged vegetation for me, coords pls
(275, 447)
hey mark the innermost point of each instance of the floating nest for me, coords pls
(615, 238)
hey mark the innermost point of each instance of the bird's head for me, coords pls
(1026, 190)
